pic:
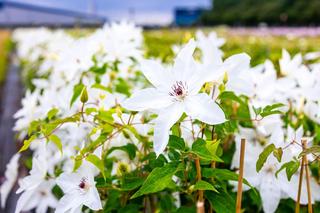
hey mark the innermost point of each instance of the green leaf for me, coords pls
(77, 164)
(222, 174)
(264, 156)
(228, 95)
(130, 149)
(257, 111)
(291, 168)
(221, 202)
(99, 70)
(53, 112)
(131, 183)
(277, 153)
(84, 95)
(56, 140)
(77, 89)
(204, 185)
(95, 160)
(26, 143)
(176, 142)
(199, 147)
(314, 149)
(158, 179)
(270, 109)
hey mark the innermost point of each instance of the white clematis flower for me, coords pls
(11, 177)
(175, 92)
(79, 189)
(36, 189)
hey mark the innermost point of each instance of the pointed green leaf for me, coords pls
(95, 160)
(264, 156)
(158, 180)
(56, 140)
(26, 143)
(199, 147)
(53, 112)
(76, 93)
(204, 185)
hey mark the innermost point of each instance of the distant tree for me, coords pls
(272, 12)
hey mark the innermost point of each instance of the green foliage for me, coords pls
(95, 160)
(265, 154)
(158, 179)
(221, 202)
(205, 150)
(253, 12)
(291, 168)
(311, 150)
(130, 149)
(271, 110)
(56, 140)
(76, 93)
(26, 143)
(204, 185)
(222, 174)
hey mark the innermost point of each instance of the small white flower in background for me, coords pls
(209, 46)
(288, 65)
(175, 91)
(79, 189)
(11, 175)
(35, 188)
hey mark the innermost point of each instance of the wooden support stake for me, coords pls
(240, 177)
(299, 187)
(200, 202)
(304, 146)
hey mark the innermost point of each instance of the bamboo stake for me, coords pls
(200, 202)
(304, 146)
(299, 187)
(240, 178)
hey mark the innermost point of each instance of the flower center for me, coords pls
(179, 90)
(84, 185)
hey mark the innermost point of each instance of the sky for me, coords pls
(139, 11)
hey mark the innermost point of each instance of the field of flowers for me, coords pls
(121, 120)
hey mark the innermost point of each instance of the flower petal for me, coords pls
(69, 202)
(93, 200)
(68, 182)
(184, 64)
(23, 200)
(270, 193)
(203, 108)
(155, 73)
(145, 99)
(164, 122)
(236, 63)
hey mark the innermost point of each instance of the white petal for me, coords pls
(155, 73)
(147, 99)
(237, 63)
(69, 202)
(184, 63)
(164, 122)
(93, 200)
(68, 182)
(11, 176)
(270, 193)
(203, 108)
(23, 200)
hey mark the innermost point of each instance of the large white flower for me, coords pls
(11, 177)
(175, 91)
(79, 189)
